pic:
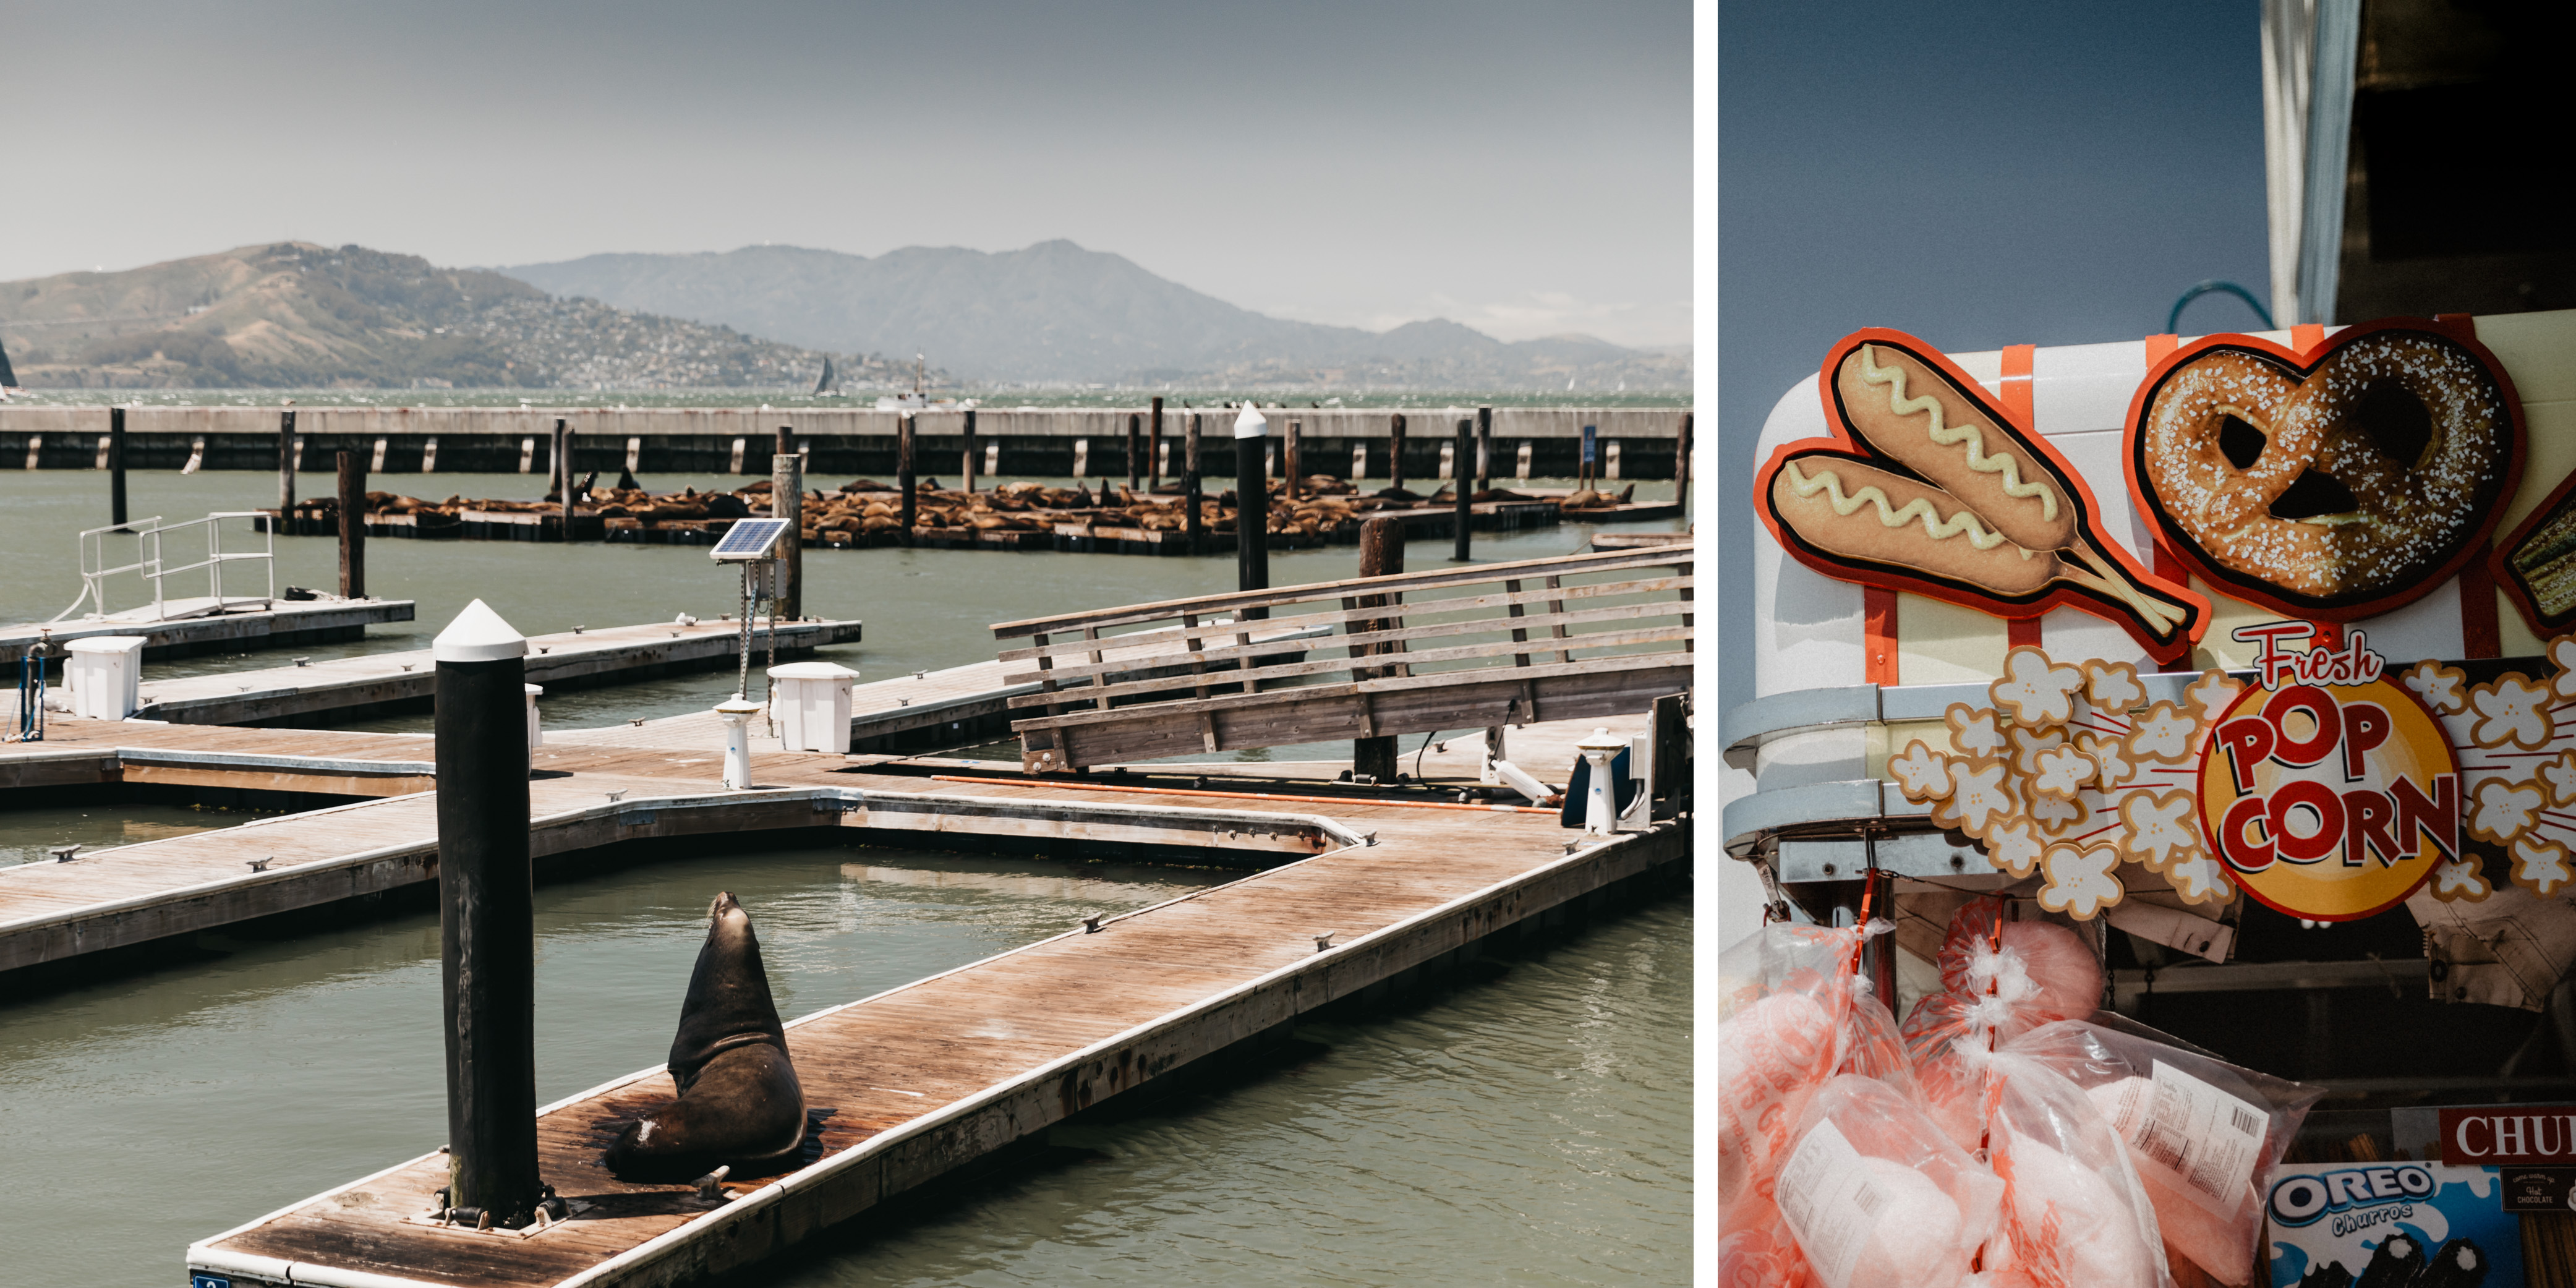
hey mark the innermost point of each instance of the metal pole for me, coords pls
(1381, 555)
(353, 526)
(1484, 448)
(903, 474)
(1190, 492)
(1395, 452)
(116, 466)
(1458, 483)
(285, 463)
(486, 916)
(787, 501)
(1251, 505)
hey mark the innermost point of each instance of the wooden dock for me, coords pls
(1060, 1025)
(187, 626)
(343, 688)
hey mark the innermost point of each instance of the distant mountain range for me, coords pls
(1057, 313)
(300, 316)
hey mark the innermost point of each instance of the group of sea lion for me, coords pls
(739, 1103)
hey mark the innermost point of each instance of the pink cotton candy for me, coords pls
(2222, 1245)
(2066, 1224)
(2065, 979)
(1756, 1250)
(1770, 1056)
(1877, 1197)
(1872, 1046)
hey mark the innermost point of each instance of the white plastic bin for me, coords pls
(811, 703)
(106, 675)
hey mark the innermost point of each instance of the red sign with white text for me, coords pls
(2509, 1135)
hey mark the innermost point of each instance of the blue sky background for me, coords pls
(1979, 174)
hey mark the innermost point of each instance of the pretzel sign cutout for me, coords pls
(2333, 484)
(1927, 484)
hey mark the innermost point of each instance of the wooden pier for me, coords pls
(186, 626)
(347, 687)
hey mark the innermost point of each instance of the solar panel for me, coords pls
(749, 539)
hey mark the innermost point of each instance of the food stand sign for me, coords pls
(2328, 790)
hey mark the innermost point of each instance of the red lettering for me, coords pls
(2271, 662)
(2320, 800)
(2366, 816)
(2248, 739)
(2365, 726)
(2303, 752)
(2240, 853)
(2435, 818)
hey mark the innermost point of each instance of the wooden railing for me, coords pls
(1570, 638)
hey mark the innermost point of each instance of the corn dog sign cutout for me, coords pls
(1928, 485)
(2329, 790)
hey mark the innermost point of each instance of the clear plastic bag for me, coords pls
(1757, 1250)
(1878, 1197)
(2202, 1133)
(2001, 979)
(1784, 1011)
(1872, 1046)
(1980, 947)
(2074, 1213)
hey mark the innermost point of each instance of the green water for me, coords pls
(1528, 1129)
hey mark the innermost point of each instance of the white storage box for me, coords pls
(105, 673)
(811, 703)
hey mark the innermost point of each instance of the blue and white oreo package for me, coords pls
(2335, 1224)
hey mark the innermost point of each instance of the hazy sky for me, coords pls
(1979, 174)
(1523, 168)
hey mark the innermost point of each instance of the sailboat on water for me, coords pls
(829, 385)
(8, 375)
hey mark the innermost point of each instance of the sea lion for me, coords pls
(740, 1104)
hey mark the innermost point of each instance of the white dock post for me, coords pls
(1600, 792)
(536, 735)
(737, 714)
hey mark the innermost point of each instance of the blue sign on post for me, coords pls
(202, 1279)
(1587, 443)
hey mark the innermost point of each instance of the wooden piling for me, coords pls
(1294, 468)
(786, 441)
(1395, 452)
(487, 920)
(353, 526)
(1252, 508)
(787, 501)
(967, 473)
(1484, 448)
(903, 475)
(116, 466)
(1681, 467)
(285, 462)
(1381, 555)
(563, 472)
(1196, 525)
(1459, 483)
(1135, 450)
(1154, 446)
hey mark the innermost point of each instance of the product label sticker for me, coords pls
(2539, 1189)
(2201, 1138)
(1826, 1196)
(2390, 1223)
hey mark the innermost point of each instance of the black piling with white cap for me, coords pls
(1252, 504)
(486, 917)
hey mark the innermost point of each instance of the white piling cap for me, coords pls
(1251, 424)
(478, 635)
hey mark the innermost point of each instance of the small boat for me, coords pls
(829, 384)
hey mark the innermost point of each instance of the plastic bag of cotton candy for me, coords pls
(2074, 1212)
(1784, 1017)
(2000, 979)
(2202, 1133)
(1876, 1196)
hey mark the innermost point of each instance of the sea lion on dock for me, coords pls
(740, 1103)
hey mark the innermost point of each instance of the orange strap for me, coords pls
(2020, 632)
(1878, 627)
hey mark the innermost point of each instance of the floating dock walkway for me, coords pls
(186, 626)
(347, 687)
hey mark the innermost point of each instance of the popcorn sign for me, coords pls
(2329, 791)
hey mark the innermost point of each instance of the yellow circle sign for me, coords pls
(2330, 802)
